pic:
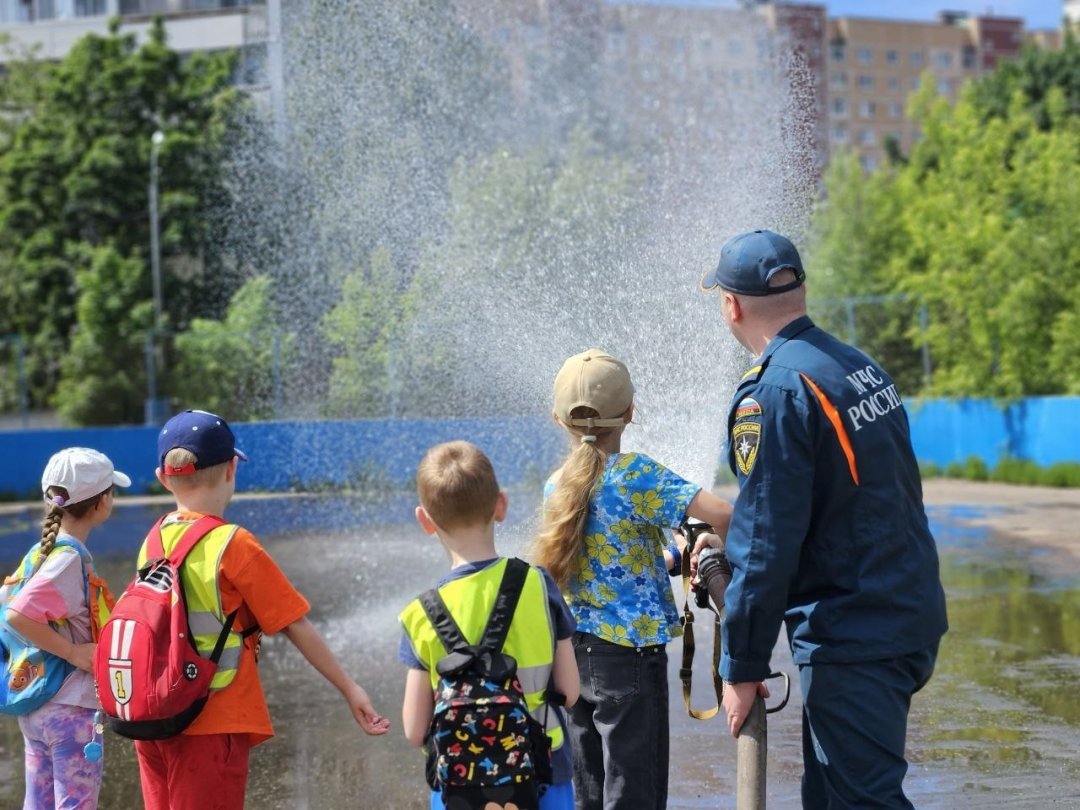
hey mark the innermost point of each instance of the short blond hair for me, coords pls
(206, 477)
(457, 485)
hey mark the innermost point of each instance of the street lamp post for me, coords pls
(153, 409)
(155, 244)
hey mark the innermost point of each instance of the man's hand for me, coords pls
(739, 699)
(704, 541)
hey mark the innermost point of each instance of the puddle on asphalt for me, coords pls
(998, 725)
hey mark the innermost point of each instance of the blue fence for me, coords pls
(301, 455)
(1039, 429)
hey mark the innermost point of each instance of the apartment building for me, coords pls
(51, 27)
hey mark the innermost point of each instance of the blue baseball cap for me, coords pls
(748, 260)
(205, 435)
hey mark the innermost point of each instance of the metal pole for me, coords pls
(275, 68)
(151, 381)
(924, 327)
(750, 768)
(849, 309)
(20, 372)
(155, 244)
(277, 375)
(152, 360)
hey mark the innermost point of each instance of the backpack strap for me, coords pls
(498, 623)
(155, 549)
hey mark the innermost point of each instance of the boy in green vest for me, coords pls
(460, 503)
(227, 570)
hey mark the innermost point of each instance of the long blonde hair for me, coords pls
(558, 546)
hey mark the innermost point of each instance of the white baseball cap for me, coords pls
(83, 472)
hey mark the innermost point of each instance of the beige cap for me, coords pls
(593, 379)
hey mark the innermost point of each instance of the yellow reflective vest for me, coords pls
(530, 639)
(199, 577)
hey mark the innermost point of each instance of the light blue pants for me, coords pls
(58, 775)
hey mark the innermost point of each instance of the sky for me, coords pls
(1037, 14)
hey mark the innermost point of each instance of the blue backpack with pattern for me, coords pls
(30, 676)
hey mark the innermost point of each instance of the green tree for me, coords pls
(988, 215)
(1033, 74)
(978, 228)
(235, 365)
(853, 239)
(369, 329)
(74, 178)
(102, 378)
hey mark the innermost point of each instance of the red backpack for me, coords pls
(151, 681)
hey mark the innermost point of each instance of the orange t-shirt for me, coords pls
(251, 581)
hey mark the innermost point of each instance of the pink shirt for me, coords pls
(58, 591)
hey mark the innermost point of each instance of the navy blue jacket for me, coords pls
(829, 533)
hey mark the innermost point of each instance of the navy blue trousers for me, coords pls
(854, 730)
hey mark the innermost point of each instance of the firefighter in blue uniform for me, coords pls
(829, 534)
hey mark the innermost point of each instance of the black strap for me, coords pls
(498, 623)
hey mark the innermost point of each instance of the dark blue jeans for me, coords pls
(619, 726)
(854, 730)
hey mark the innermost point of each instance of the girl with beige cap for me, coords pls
(603, 542)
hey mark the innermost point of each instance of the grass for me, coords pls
(1009, 470)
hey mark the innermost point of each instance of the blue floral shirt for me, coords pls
(621, 591)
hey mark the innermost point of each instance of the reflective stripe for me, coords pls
(199, 577)
(534, 679)
(204, 624)
(838, 425)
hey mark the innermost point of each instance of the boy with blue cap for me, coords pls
(227, 571)
(828, 535)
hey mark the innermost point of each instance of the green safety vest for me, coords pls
(199, 577)
(530, 639)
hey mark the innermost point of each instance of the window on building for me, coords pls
(915, 82)
(866, 82)
(943, 59)
(891, 56)
(838, 52)
(839, 134)
(646, 44)
(839, 106)
(678, 45)
(868, 162)
(648, 72)
(867, 137)
(894, 84)
(896, 109)
(867, 109)
(678, 70)
(970, 58)
(866, 56)
(916, 58)
(838, 80)
(616, 42)
(944, 87)
(735, 47)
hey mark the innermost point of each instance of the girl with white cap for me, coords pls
(59, 608)
(605, 514)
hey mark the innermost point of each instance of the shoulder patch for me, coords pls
(748, 407)
(746, 434)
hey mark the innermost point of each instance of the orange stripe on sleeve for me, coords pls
(838, 425)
